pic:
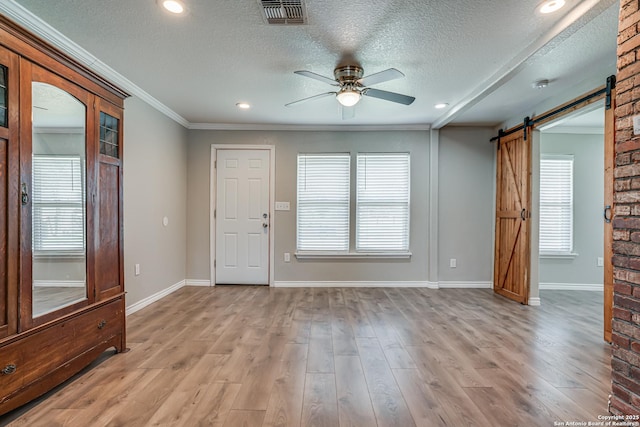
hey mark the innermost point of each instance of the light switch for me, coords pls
(282, 206)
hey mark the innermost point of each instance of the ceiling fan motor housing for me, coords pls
(348, 74)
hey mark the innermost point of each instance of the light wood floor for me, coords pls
(254, 356)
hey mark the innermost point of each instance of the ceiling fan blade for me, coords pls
(316, 76)
(348, 112)
(389, 96)
(299, 101)
(382, 76)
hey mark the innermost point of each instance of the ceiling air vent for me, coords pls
(283, 12)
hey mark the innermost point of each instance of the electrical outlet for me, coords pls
(453, 263)
(287, 257)
(137, 269)
(600, 262)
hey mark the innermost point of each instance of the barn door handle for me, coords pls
(607, 210)
(523, 215)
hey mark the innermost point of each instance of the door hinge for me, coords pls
(214, 262)
(214, 213)
(215, 164)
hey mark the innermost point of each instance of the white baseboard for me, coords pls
(354, 284)
(534, 302)
(194, 282)
(153, 298)
(58, 283)
(571, 287)
(465, 285)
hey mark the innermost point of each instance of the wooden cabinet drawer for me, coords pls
(28, 359)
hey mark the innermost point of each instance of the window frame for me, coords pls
(359, 227)
(352, 253)
(569, 253)
(311, 250)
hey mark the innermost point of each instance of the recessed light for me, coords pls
(243, 105)
(551, 6)
(173, 6)
(441, 105)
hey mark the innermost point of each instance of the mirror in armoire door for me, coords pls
(58, 199)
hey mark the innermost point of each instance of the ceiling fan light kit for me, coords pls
(352, 86)
(348, 97)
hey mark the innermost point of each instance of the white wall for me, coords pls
(155, 185)
(466, 206)
(588, 152)
(465, 179)
(287, 145)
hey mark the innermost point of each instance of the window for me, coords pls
(381, 193)
(323, 202)
(4, 119)
(108, 135)
(556, 205)
(58, 204)
(382, 202)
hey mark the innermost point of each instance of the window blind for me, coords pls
(323, 202)
(382, 202)
(556, 204)
(58, 204)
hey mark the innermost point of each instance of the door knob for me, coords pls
(265, 225)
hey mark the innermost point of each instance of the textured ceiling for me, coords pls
(479, 56)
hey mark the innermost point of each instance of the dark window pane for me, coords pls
(4, 114)
(109, 135)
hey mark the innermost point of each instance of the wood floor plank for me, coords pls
(285, 404)
(286, 357)
(261, 374)
(320, 406)
(388, 404)
(320, 355)
(244, 418)
(354, 403)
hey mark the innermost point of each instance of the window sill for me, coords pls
(567, 255)
(353, 255)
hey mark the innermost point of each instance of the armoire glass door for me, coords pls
(54, 186)
(58, 202)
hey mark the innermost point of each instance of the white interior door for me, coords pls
(242, 217)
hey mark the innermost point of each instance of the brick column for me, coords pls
(625, 362)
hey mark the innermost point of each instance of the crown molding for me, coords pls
(40, 28)
(283, 127)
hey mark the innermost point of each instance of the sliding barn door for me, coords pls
(609, 163)
(513, 204)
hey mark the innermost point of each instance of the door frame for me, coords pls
(213, 203)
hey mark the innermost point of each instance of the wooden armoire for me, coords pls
(61, 233)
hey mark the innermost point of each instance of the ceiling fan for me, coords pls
(352, 86)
